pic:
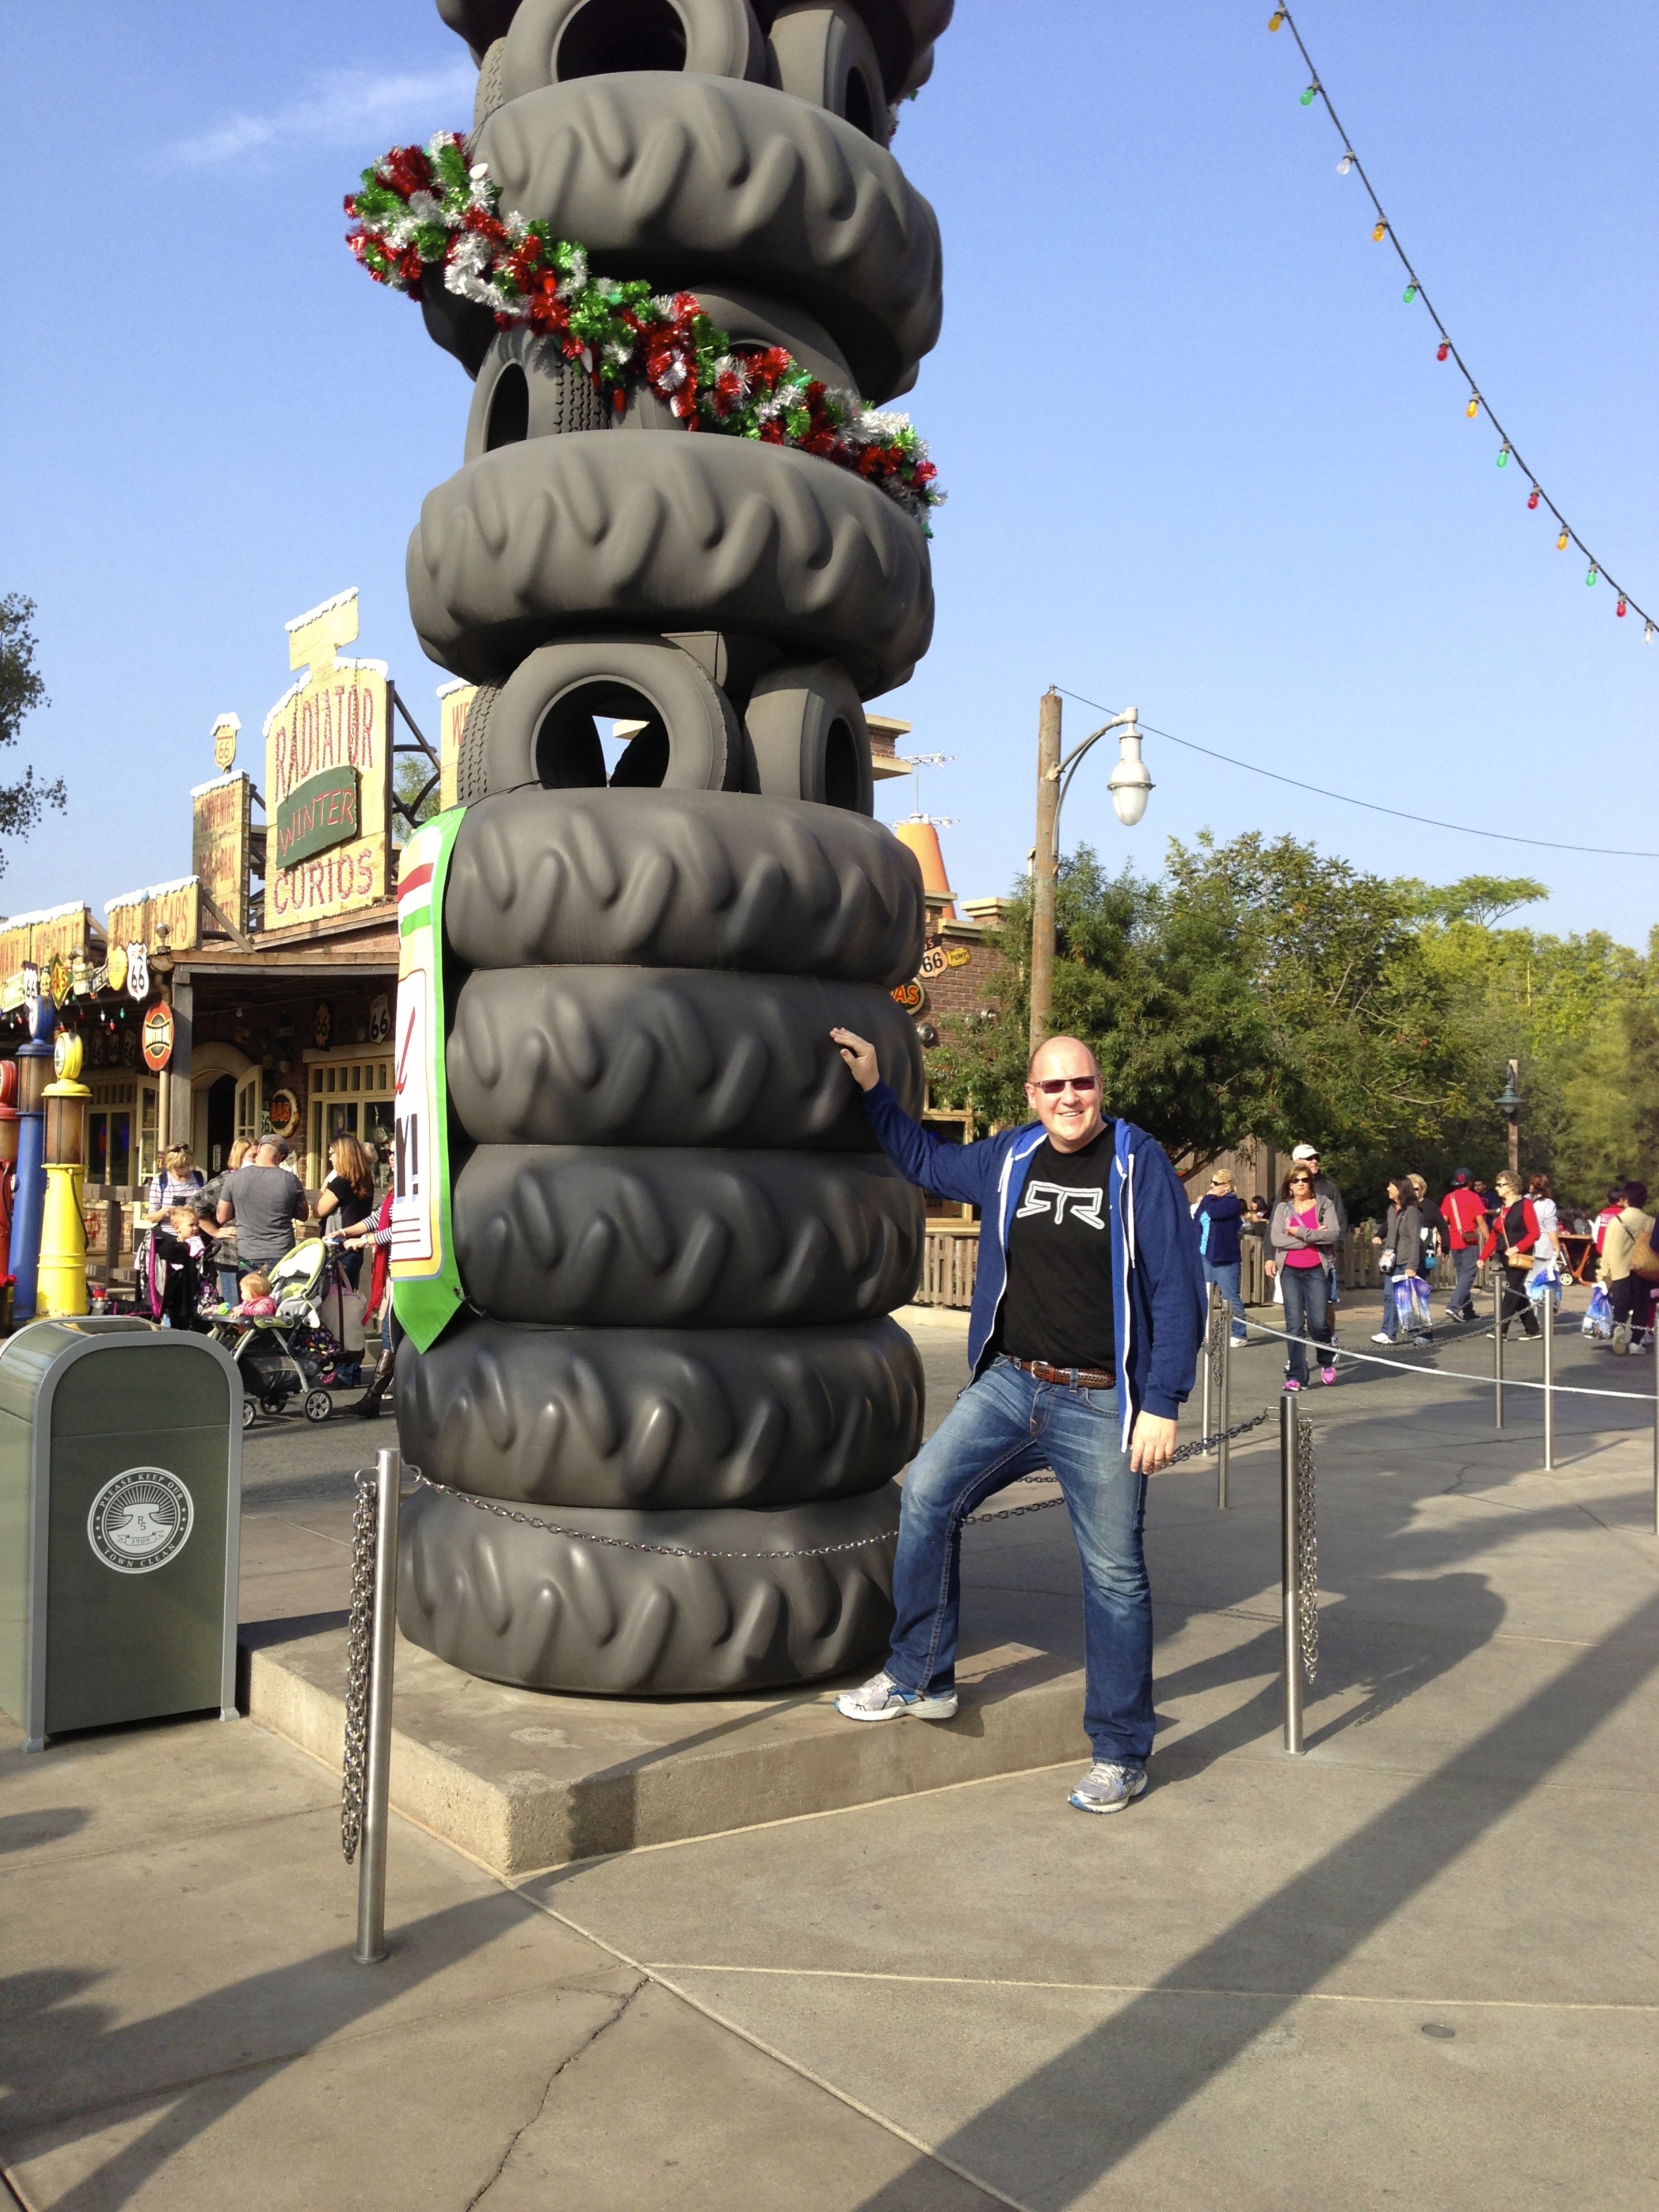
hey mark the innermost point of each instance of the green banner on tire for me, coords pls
(426, 1282)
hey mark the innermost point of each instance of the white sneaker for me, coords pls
(881, 1699)
(1382, 1337)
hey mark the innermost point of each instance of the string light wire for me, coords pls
(1371, 805)
(1384, 232)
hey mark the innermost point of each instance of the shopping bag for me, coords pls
(1598, 1317)
(1544, 1283)
(1410, 1294)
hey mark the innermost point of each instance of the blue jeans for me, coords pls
(1462, 1297)
(1005, 1425)
(1225, 1279)
(1307, 1313)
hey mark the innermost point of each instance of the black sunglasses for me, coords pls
(1051, 1087)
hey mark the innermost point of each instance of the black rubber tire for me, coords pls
(809, 738)
(488, 96)
(658, 1238)
(721, 38)
(538, 726)
(903, 32)
(558, 537)
(822, 53)
(480, 22)
(662, 1419)
(592, 1055)
(683, 879)
(689, 180)
(557, 395)
(517, 1604)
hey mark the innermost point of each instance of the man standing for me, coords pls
(1088, 1311)
(264, 1200)
(1466, 1228)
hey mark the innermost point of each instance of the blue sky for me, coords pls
(1202, 457)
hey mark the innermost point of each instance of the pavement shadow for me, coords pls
(1092, 2106)
(63, 2055)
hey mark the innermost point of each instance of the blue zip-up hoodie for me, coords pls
(1161, 1300)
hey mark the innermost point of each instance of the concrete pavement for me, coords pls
(1415, 1967)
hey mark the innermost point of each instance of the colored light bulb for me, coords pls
(1308, 96)
(1275, 18)
(1442, 349)
(1345, 165)
(1380, 233)
(1474, 407)
(1620, 609)
(1590, 578)
(1533, 496)
(1561, 542)
(1502, 457)
(1409, 294)
(1647, 633)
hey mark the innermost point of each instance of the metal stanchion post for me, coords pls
(1497, 1323)
(1208, 1356)
(1222, 1449)
(1291, 1530)
(1655, 1435)
(1549, 1377)
(371, 1872)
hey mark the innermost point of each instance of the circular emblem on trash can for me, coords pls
(140, 1520)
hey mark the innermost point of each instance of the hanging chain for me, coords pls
(353, 1773)
(810, 1552)
(1307, 1562)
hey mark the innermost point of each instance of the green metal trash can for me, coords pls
(120, 1525)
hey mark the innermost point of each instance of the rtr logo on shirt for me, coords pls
(1068, 1203)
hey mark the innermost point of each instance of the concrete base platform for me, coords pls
(521, 1780)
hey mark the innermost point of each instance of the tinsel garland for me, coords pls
(422, 209)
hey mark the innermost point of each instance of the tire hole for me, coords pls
(608, 35)
(860, 113)
(841, 780)
(509, 409)
(570, 752)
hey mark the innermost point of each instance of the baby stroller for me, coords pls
(290, 1354)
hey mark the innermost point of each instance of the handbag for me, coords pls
(1643, 1259)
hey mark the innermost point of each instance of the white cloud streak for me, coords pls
(346, 108)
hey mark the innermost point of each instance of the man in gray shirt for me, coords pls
(264, 1200)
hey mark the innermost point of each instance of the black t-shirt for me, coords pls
(352, 1208)
(1058, 1305)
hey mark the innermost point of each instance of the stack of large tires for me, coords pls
(668, 1421)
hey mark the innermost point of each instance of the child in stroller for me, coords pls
(277, 1338)
(171, 1277)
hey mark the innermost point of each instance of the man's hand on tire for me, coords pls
(860, 1056)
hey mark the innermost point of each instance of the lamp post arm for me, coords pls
(1067, 768)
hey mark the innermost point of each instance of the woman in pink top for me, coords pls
(1305, 1232)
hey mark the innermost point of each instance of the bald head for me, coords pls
(1062, 1087)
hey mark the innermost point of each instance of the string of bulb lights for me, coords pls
(1383, 232)
(1371, 805)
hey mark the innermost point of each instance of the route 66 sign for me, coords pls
(379, 1018)
(137, 971)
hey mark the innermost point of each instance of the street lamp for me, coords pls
(1130, 786)
(1507, 1103)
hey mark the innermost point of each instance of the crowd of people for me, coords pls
(241, 1224)
(1513, 1227)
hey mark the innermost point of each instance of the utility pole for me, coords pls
(1045, 867)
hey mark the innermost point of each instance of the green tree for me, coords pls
(415, 785)
(22, 691)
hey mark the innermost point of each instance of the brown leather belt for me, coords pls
(1075, 1378)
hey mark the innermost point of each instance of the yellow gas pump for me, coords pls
(63, 1275)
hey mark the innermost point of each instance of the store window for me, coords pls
(109, 1133)
(121, 1123)
(351, 1096)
